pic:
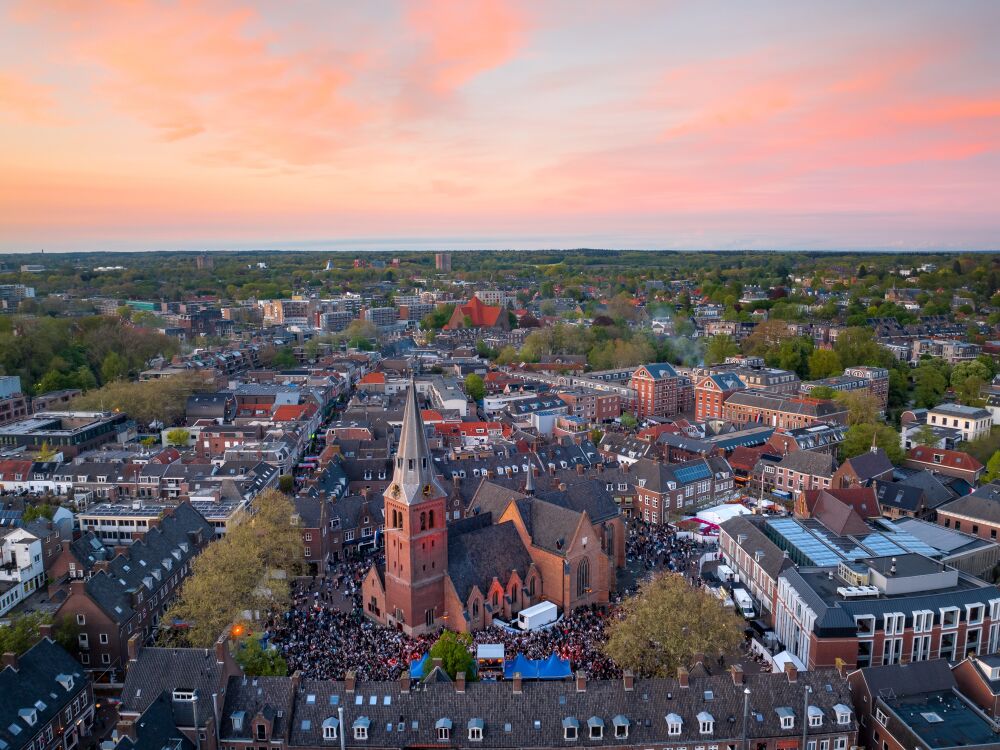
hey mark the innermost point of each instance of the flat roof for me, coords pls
(943, 720)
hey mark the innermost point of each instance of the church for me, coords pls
(516, 550)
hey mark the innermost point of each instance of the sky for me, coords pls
(327, 124)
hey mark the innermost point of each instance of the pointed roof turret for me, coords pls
(529, 485)
(413, 476)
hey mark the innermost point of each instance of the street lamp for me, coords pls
(805, 714)
(746, 717)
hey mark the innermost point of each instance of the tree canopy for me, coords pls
(667, 623)
(454, 651)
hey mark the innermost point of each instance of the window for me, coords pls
(81, 619)
(840, 743)
(361, 728)
(583, 578)
(103, 638)
(570, 728)
(261, 731)
(621, 727)
(183, 695)
(674, 725)
(706, 722)
(444, 733)
(476, 730)
(880, 717)
(596, 726)
(815, 716)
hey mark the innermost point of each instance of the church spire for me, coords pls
(529, 485)
(413, 477)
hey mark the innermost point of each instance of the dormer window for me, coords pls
(29, 716)
(237, 719)
(787, 717)
(595, 725)
(621, 726)
(706, 722)
(843, 713)
(443, 727)
(66, 680)
(330, 727)
(674, 723)
(815, 716)
(184, 695)
(361, 725)
(476, 730)
(261, 731)
(571, 728)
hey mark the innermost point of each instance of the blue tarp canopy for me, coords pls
(554, 668)
(417, 667)
(522, 664)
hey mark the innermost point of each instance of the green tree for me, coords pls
(861, 406)
(857, 346)
(929, 384)
(925, 436)
(113, 367)
(454, 651)
(258, 661)
(992, 472)
(46, 452)
(824, 363)
(823, 392)
(968, 379)
(859, 439)
(284, 358)
(22, 632)
(719, 347)
(474, 386)
(628, 421)
(178, 437)
(33, 512)
(248, 569)
(286, 483)
(667, 623)
(148, 401)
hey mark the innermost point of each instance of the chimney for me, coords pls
(404, 681)
(460, 682)
(133, 646)
(737, 671)
(126, 728)
(517, 683)
(699, 659)
(220, 649)
(296, 680)
(10, 660)
(581, 682)
(350, 680)
(579, 469)
(45, 630)
(562, 486)
(100, 565)
(456, 481)
(629, 679)
(682, 676)
(791, 672)
(552, 469)
(439, 663)
(600, 467)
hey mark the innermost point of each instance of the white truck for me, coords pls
(744, 603)
(537, 615)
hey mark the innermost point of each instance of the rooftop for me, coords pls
(942, 719)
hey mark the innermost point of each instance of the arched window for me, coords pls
(610, 534)
(423, 521)
(531, 587)
(583, 577)
(430, 519)
(513, 594)
(496, 600)
(475, 608)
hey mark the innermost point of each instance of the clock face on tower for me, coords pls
(427, 490)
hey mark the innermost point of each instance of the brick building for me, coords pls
(789, 413)
(656, 390)
(711, 392)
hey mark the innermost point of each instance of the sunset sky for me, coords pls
(136, 124)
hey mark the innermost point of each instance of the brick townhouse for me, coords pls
(781, 411)
(115, 593)
(663, 489)
(656, 389)
(711, 392)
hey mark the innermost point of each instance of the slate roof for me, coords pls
(763, 400)
(166, 669)
(773, 560)
(983, 504)
(870, 464)
(551, 527)
(808, 462)
(270, 697)
(164, 549)
(899, 495)
(535, 718)
(479, 550)
(660, 370)
(934, 489)
(156, 729)
(35, 680)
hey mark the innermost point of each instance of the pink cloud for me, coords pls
(23, 98)
(463, 38)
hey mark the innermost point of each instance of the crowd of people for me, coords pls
(325, 634)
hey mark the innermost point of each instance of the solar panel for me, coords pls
(692, 473)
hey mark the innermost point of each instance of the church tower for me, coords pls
(416, 534)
